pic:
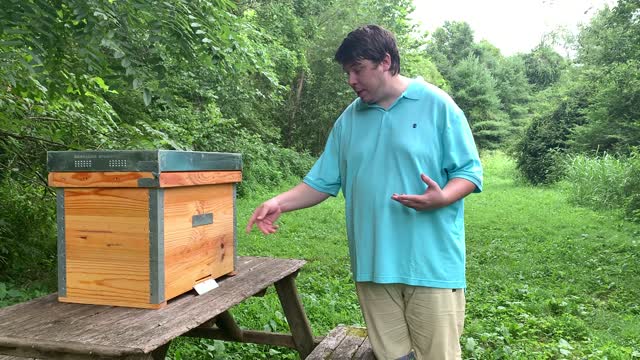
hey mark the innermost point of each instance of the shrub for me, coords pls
(537, 152)
(27, 231)
(558, 111)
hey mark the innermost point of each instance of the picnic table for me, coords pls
(44, 328)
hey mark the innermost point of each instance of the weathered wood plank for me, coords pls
(344, 343)
(132, 331)
(329, 344)
(350, 345)
(47, 311)
(296, 317)
(365, 352)
(64, 350)
(232, 291)
(190, 178)
(248, 336)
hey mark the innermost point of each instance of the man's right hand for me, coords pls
(265, 216)
(301, 196)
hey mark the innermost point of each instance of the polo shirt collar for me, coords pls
(412, 92)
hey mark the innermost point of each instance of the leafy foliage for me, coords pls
(27, 234)
(609, 54)
(594, 112)
(449, 45)
(492, 90)
(544, 66)
(474, 90)
(549, 134)
(514, 93)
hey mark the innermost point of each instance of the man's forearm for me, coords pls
(456, 189)
(300, 197)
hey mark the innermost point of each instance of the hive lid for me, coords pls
(141, 160)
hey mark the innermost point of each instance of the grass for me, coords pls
(597, 182)
(605, 181)
(546, 279)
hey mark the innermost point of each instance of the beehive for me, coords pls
(137, 228)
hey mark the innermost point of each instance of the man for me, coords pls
(400, 136)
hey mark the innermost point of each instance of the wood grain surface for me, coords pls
(190, 178)
(97, 179)
(195, 253)
(107, 246)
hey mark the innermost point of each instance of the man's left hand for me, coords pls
(433, 197)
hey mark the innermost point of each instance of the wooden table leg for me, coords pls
(227, 324)
(296, 317)
(161, 352)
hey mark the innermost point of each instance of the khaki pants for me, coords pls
(401, 318)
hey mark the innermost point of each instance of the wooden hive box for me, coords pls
(137, 228)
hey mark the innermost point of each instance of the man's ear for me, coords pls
(386, 62)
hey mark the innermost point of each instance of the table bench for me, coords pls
(45, 328)
(344, 343)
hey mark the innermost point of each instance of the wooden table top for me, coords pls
(48, 325)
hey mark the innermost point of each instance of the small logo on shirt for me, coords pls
(414, 125)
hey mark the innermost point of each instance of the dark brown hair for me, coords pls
(369, 42)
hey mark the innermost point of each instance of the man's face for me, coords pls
(367, 79)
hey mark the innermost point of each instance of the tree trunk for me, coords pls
(296, 103)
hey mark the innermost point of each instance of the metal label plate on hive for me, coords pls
(201, 219)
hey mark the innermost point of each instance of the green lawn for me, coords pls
(546, 280)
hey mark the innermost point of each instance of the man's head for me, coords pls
(370, 42)
(369, 57)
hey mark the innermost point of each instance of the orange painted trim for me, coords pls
(97, 179)
(191, 178)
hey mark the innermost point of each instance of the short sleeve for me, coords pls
(324, 176)
(460, 155)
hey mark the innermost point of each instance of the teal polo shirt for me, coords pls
(372, 153)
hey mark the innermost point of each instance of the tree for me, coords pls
(416, 64)
(512, 87)
(609, 56)
(543, 66)
(449, 45)
(62, 60)
(514, 92)
(474, 90)
(488, 54)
